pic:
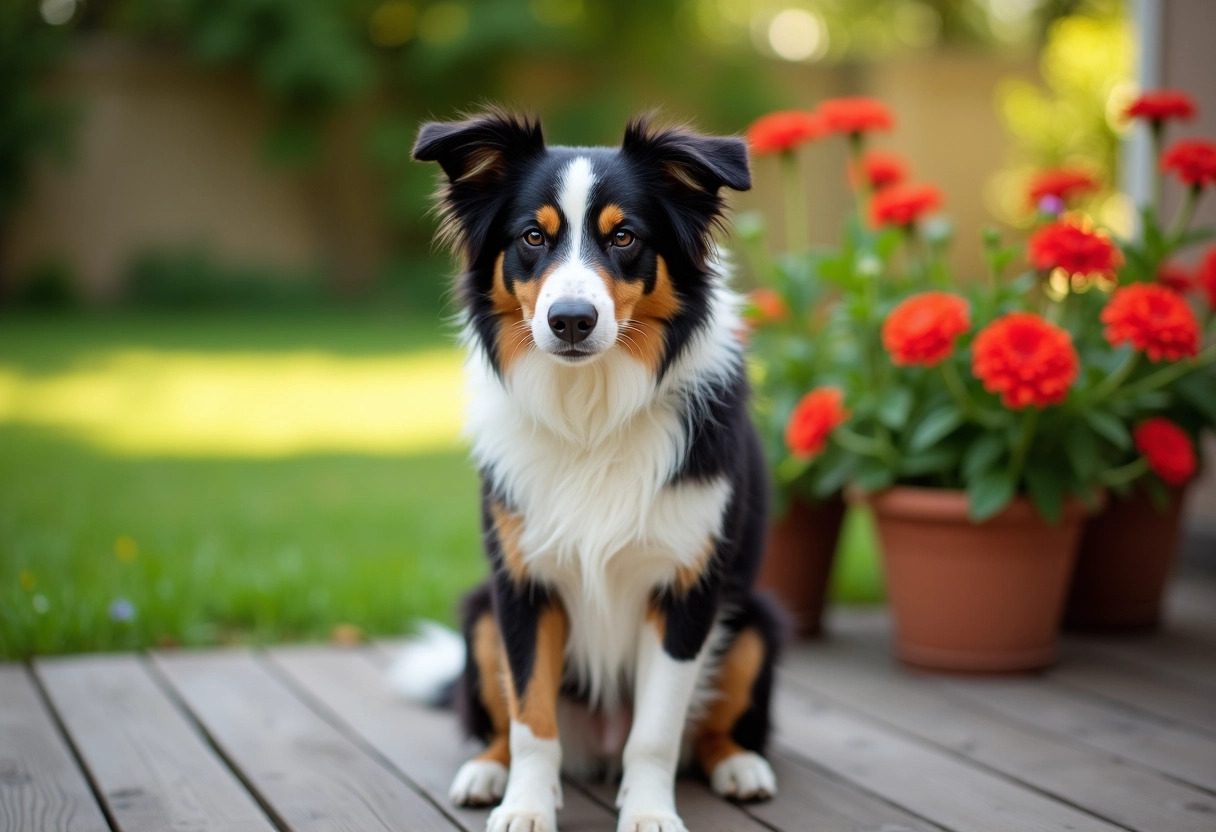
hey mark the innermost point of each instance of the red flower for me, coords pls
(1175, 278)
(880, 169)
(1154, 320)
(1062, 244)
(1160, 105)
(903, 204)
(921, 330)
(1193, 161)
(784, 130)
(765, 306)
(1206, 279)
(1062, 183)
(855, 115)
(1026, 359)
(1167, 448)
(815, 416)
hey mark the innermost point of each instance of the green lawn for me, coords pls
(167, 479)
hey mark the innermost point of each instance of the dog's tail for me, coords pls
(428, 665)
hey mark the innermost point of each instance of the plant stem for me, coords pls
(858, 444)
(1111, 383)
(1169, 373)
(861, 186)
(1156, 131)
(958, 392)
(1029, 420)
(1126, 473)
(1185, 214)
(795, 204)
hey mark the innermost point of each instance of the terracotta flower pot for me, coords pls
(798, 559)
(1126, 555)
(972, 597)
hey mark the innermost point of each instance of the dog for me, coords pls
(623, 489)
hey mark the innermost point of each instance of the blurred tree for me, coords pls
(32, 122)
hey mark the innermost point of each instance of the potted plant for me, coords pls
(1127, 551)
(980, 421)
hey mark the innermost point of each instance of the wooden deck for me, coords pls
(1120, 736)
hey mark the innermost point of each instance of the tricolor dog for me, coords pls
(623, 498)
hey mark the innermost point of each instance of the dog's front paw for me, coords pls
(522, 819)
(744, 776)
(478, 783)
(650, 822)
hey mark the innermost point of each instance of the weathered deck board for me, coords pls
(929, 782)
(1185, 755)
(1171, 657)
(40, 785)
(153, 769)
(1088, 779)
(423, 744)
(1182, 706)
(313, 776)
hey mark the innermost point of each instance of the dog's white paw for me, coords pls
(744, 776)
(479, 783)
(522, 819)
(650, 822)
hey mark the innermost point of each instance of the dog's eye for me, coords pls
(534, 237)
(622, 239)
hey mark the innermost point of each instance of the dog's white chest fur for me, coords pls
(585, 455)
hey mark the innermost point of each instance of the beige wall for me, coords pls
(169, 155)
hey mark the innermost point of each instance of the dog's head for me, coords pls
(579, 251)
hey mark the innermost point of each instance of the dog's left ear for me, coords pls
(695, 168)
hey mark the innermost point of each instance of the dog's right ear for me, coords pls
(474, 155)
(475, 150)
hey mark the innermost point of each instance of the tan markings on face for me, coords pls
(644, 317)
(514, 336)
(686, 577)
(548, 219)
(537, 708)
(610, 218)
(489, 658)
(509, 527)
(736, 676)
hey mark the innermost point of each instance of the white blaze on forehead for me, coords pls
(575, 278)
(574, 198)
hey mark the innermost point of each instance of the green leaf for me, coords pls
(1199, 391)
(791, 468)
(833, 475)
(937, 425)
(874, 475)
(1196, 235)
(1082, 452)
(932, 461)
(1158, 494)
(1046, 491)
(989, 493)
(894, 407)
(1110, 426)
(982, 453)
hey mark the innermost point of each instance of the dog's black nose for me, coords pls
(572, 320)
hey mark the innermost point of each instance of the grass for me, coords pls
(167, 479)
